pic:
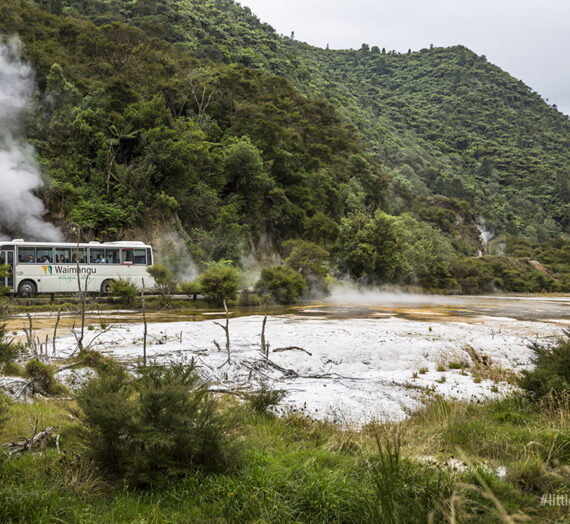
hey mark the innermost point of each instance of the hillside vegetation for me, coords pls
(194, 116)
(444, 120)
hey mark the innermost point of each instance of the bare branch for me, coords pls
(292, 348)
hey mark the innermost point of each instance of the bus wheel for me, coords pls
(27, 288)
(106, 287)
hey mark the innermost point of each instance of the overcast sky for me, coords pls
(530, 39)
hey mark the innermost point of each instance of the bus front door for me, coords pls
(7, 258)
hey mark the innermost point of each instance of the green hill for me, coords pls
(443, 120)
(198, 117)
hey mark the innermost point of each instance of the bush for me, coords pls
(220, 281)
(551, 370)
(165, 281)
(100, 363)
(42, 375)
(192, 289)
(162, 423)
(126, 290)
(264, 398)
(4, 408)
(248, 299)
(9, 350)
(12, 369)
(283, 283)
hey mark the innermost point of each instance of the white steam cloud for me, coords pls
(21, 211)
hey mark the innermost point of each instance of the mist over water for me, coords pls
(21, 211)
(350, 293)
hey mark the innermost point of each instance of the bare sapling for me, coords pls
(226, 329)
(264, 343)
(30, 336)
(55, 333)
(145, 324)
(82, 296)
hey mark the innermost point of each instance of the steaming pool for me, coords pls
(363, 357)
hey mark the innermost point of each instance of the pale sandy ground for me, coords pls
(363, 357)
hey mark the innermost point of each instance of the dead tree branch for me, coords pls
(292, 348)
(30, 336)
(39, 439)
(55, 332)
(145, 324)
(226, 329)
(264, 344)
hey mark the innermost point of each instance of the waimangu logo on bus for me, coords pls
(68, 270)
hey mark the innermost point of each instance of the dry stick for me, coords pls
(145, 325)
(235, 392)
(226, 328)
(27, 445)
(35, 428)
(46, 348)
(30, 336)
(81, 299)
(286, 372)
(55, 332)
(292, 348)
(264, 347)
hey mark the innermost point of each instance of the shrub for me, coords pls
(42, 375)
(551, 369)
(107, 410)
(165, 281)
(100, 363)
(9, 350)
(264, 398)
(220, 281)
(163, 422)
(247, 298)
(126, 290)
(12, 369)
(190, 288)
(4, 408)
(283, 283)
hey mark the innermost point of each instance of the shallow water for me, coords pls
(356, 305)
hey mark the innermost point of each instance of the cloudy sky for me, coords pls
(530, 39)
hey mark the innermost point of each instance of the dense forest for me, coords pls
(196, 117)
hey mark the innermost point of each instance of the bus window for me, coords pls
(96, 256)
(26, 255)
(62, 255)
(112, 256)
(78, 252)
(44, 255)
(140, 256)
(127, 256)
(149, 256)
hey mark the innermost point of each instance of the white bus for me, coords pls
(51, 267)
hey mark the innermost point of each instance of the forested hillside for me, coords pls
(196, 116)
(445, 121)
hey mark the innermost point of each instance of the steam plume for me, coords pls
(21, 211)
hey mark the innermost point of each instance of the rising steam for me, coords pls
(21, 211)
